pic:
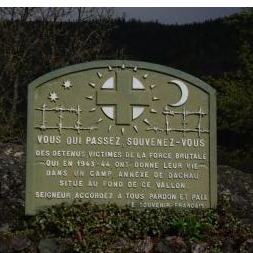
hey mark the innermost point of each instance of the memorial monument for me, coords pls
(124, 132)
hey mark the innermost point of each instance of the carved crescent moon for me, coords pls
(184, 91)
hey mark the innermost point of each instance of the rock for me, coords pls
(226, 192)
(144, 246)
(8, 151)
(237, 186)
(200, 247)
(16, 243)
(19, 154)
(5, 227)
(52, 245)
(229, 246)
(171, 244)
(12, 182)
(247, 246)
(121, 243)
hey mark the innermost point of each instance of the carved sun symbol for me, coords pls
(109, 110)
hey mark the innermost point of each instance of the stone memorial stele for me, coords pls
(124, 132)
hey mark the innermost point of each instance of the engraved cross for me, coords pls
(123, 98)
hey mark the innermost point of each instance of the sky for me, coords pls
(175, 15)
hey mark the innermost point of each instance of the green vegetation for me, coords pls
(201, 49)
(35, 41)
(91, 228)
(235, 99)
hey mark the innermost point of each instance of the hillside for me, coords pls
(217, 51)
(202, 49)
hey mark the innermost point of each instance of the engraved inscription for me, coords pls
(121, 133)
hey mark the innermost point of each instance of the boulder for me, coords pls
(15, 243)
(52, 245)
(171, 244)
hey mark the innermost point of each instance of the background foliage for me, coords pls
(34, 41)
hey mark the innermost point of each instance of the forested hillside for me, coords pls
(34, 41)
(201, 49)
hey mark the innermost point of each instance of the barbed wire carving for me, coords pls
(60, 126)
(184, 113)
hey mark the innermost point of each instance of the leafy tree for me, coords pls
(235, 95)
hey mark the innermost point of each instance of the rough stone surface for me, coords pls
(229, 246)
(52, 245)
(200, 247)
(5, 227)
(171, 244)
(16, 243)
(238, 186)
(144, 246)
(121, 243)
(12, 183)
(247, 246)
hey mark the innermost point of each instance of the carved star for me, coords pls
(53, 96)
(67, 84)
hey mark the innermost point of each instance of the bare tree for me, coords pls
(36, 40)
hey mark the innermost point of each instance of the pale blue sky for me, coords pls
(173, 15)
